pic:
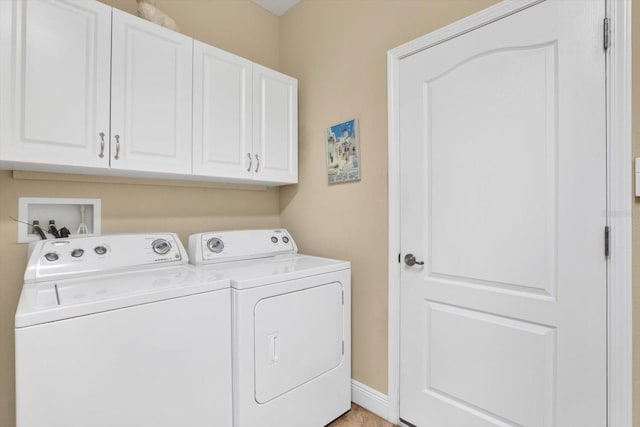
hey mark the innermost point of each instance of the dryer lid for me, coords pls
(266, 271)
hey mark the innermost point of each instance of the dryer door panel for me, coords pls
(298, 337)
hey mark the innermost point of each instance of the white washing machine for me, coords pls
(119, 331)
(291, 322)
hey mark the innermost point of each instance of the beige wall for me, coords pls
(238, 26)
(339, 56)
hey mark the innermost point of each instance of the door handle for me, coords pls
(257, 163)
(250, 162)
(410, 260)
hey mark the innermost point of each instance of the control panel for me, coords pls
(61, 258)
(236, 245)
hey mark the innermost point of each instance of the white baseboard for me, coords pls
(370, 399)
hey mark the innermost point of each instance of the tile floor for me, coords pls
(360, 417)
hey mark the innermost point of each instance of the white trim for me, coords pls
(619, 170)
(393, 374)
(370, 399)
(619, 198)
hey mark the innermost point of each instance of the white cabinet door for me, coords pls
(275, 131)
(151, 98)
(54, 82)
(222, 113)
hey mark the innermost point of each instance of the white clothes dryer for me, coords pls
(115, 331)
(291, 322)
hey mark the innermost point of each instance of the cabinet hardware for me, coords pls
(410, 260)
(250, 162)
(117, 156)
(101, 155)
(257, 163)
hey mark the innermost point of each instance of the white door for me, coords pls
(151, 97)
(275, 138)
(54, 82)
(222, 113)
(502, 139)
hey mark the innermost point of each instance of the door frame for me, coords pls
(619, 198)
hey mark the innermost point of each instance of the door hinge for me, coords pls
(606, 241)
(606, 34)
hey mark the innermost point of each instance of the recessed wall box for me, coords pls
(65, 212)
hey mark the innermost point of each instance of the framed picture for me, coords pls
(343, 152)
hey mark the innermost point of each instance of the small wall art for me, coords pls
(343, 152)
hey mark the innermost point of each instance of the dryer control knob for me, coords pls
(215, 245)
(161, 246)
(100, 250)
(51, 256)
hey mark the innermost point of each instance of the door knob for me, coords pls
(410, 260)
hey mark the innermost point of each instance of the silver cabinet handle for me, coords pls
(117, 156)
(257, 163)
(250, 162)
(101, 155)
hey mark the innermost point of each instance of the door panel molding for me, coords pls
(619, 191)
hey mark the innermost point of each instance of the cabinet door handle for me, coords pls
(250, 162)
(257, 163)
(117, 156)
(101, 155)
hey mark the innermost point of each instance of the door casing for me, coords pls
(619, 201)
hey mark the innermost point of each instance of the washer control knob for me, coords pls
(285, 239)
(77, 253)
(215, 245)
(161, 246)
(100, 250)
(274, 239)
(51, 256)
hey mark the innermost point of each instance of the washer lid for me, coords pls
(56, 300)
(266, 271)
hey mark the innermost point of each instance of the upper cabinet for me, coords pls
(55, 82)
(222, 113)
(245, 119)
(275, 126)
(90, 89)
(150, 97)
